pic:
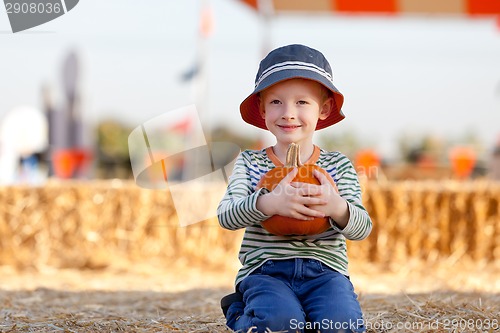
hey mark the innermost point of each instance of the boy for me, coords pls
(292, 283)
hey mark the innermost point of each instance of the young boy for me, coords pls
(293, 283)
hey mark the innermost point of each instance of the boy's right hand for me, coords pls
(287, 200)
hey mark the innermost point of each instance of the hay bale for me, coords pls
(96, 224)
(100, 223)
(431, 221)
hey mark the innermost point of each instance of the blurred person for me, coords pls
(293, 283)
(23, 136)
(8, 163)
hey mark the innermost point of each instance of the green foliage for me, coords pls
(224, 134)
(348, 142)
(112, 150)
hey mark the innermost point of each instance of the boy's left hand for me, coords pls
(334, 205)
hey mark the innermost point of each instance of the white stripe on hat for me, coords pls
(293, 65)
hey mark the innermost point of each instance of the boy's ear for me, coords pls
(326, 109)
(262, 111)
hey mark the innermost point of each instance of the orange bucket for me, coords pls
(70, 163)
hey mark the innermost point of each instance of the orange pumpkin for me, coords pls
(287, 226)
(463, 161)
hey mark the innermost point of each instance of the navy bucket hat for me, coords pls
(289, 62)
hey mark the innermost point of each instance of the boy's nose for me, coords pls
(288, 113)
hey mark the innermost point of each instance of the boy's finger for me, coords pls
(306, 211)
(312, 201)
(321, 177)
(290, 176)
(324, 180)
(299, 216)
(309, 189)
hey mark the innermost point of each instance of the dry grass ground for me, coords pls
(149, 298)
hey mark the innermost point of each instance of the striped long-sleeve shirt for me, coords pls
(237, 210)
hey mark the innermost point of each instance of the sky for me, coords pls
(400, 75)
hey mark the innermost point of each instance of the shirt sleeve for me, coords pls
(238, 207)
(359, 225)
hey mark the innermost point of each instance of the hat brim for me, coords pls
(249, 108)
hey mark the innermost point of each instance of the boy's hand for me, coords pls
(331, 203)
(290, 201)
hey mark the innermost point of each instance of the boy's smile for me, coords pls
(289, 128)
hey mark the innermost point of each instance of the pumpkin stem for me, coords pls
(293, 156)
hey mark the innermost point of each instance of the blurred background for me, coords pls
(421, 82)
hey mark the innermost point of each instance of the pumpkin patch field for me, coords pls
(108, 256)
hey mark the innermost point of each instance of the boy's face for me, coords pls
(292, 109)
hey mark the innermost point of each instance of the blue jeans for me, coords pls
(296, 295)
